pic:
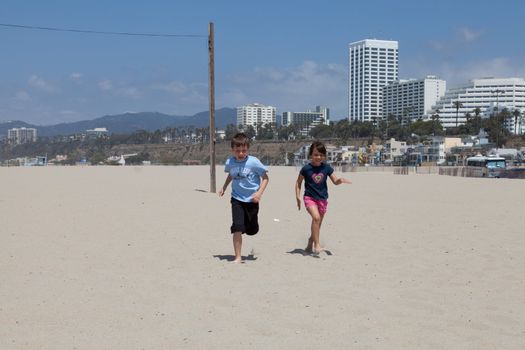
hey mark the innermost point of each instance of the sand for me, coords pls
(138, 258)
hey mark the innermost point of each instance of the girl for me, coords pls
(314, 175)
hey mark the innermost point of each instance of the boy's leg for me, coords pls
(251, 219)
(237, 228)
(237, 245)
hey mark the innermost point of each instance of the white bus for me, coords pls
(482, 166)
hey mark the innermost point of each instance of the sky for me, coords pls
(290, 54)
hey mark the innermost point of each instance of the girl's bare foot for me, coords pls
(318, 249)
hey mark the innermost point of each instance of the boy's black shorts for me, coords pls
(244, 216)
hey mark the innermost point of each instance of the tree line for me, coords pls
(400, 128)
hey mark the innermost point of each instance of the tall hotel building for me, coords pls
(254, 114)
(372, 65)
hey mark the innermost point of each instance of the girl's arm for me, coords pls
(257, 195)
(225, 186)
(298, 184)
(339, 180)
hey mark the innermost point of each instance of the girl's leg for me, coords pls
(237, 244)
(310, 247)
(315, 228)
(318, 248)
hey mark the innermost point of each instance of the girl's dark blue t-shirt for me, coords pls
(315, 178)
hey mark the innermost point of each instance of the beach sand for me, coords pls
(138, 258)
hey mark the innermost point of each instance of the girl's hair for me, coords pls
(240, 139)
(319, 147)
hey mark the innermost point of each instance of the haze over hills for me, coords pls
(129, 122)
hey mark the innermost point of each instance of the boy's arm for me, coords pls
(298, 184)
(225, 186)
(339, 180)
(257, 195)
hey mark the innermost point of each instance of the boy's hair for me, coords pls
(240, 139)
(318, 146)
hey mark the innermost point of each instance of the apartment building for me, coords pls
(307, 120)
(18, 136)
(412, 99)
(255, 114)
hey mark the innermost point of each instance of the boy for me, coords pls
(249, 179)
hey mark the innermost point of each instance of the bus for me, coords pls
(482, 166)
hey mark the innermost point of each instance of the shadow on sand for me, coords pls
(230, 258)
(304, 252)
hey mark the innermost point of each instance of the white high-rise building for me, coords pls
(372, 65)
(254, 114)
(21, 135)
(412, 99)
(487, 94)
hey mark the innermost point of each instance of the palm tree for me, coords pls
(501, 122)
(477, 113)
(406, 113)
(516, 114)
(435, 120)
(457, 105)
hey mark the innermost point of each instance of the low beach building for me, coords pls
(96, 133)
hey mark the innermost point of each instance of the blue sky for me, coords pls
(288, 54)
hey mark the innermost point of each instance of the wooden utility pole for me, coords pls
(211, 70)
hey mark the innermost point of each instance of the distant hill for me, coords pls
(129, 122)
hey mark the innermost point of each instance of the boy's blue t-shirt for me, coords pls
(246, 176)
(315, 178)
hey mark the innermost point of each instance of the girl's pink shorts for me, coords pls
(321, 204)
